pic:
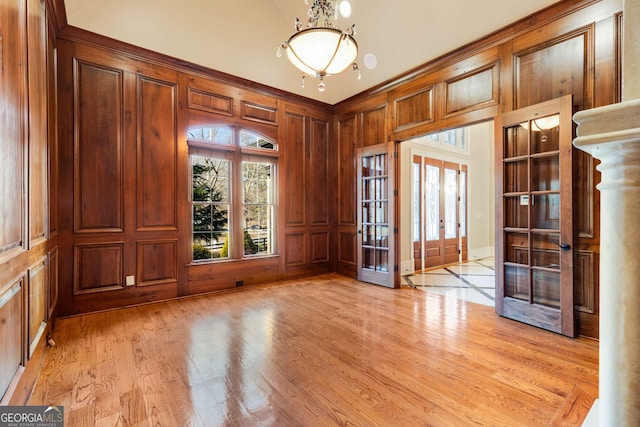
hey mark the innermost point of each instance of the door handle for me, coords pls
(564, 246)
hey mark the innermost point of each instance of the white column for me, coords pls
(612, 135)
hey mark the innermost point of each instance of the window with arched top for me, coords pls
(233, 193)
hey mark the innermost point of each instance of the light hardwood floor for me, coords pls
(318, 352)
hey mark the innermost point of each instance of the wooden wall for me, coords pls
(125, 191)
(569, 48)
(28, 206)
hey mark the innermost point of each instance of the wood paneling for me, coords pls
(476, 89)
(319, 247)
(319, 172)
(210, 102)
(374, 126)
(98, 148)
(38, 107)
(347, 247)
(157, 262)
(555, 68)
(52, 135)
(259, 113)
(37, 302)
(98, 267)
(12, 100)
(347, 170)
(294, 168)
(156, 155)
(207, 277)
(294, 249)
(414, 109)
(11, 327)
(53, 283)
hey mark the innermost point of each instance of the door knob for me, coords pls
(564, 246)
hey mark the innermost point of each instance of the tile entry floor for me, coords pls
(470, 281)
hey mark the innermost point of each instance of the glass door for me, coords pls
(534, 268)
(443, 213)
(376, 215)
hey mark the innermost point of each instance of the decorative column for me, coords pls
(612, 135)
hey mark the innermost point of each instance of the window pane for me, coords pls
(258, 196)
(215, 134)
(250, 139)
(463, 203)
(450, 203)
(210, 212)
(416, 202)
(210, 179)
(432, 186)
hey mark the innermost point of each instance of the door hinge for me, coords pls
(395, 230)
(395, 268)
(395, 154)
(459, 251)
(395, 192)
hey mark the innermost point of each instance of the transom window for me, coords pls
(233, 197)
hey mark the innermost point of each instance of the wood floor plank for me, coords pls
(324, 351)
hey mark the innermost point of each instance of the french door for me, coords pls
(376, 239)
(444, 213)
(534, 229)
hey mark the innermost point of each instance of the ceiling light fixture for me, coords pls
(320, 48)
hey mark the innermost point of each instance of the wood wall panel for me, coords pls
(12, 101)
(98, 151)
(319, 247)
(374, 126)
(11, 327)
(98, 267)
(587, 292)
(476, 89)
(156, 154)
(210, 102)
(38, 107)
(259, 113)
(52, 135)
(319, 172)
(553, 69)
(52, 301)
(414, 109)
(37, 303)
(347, 171)
(294, 169)
(347, 247)
(294, 249)
(157, 262)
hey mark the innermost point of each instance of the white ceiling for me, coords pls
(240, 37)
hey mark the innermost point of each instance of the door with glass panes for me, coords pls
(534, 229)
(444, 212)
(376, 238)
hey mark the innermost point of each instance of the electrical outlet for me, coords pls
(131, 280)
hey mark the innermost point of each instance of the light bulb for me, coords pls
(321, 86)
(345, 9)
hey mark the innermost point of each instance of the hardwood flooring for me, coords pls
(325, 351)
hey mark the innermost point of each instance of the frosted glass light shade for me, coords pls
(321, 51)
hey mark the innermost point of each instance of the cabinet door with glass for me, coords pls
(534, 232)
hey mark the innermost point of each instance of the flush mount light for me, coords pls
(320, 48)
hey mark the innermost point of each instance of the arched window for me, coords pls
(233, 195)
